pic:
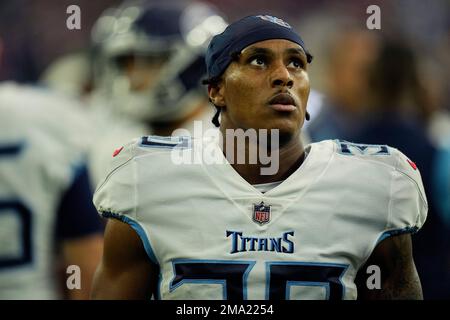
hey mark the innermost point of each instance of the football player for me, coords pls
(47, 220)
(225, 230)
(148, 67)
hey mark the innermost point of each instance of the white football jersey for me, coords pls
(41, 138)
(113, 131)
(215, 236)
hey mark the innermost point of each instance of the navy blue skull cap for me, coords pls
(243, 33)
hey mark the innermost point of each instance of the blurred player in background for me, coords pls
(47, 221)
(226, 230)
(344, 109)
(148, 67)
(70, 75)
(397, 115)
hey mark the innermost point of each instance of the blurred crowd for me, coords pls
(130, 72)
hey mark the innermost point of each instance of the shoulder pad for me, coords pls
(123, 154)
(410, 170)
(144, 145)
(383, 154)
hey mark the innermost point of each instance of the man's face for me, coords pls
(266, 88)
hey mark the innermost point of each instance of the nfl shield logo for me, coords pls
(261, 213)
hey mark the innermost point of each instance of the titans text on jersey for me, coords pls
(215, 236)
(242, 243)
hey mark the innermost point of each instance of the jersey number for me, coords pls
(350, 149)
(16, 207)
(281, 276)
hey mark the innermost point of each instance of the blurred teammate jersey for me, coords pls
(215, 236)
(43, 188)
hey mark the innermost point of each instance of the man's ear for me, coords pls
(307, 116)
(216, 94)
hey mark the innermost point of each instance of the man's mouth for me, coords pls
(283, 102)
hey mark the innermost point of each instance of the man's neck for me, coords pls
(289, 156)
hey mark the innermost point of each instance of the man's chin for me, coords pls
(277, 137)
(277, 132)
(286, 138)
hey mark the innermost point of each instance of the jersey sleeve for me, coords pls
(408, 205)
(115, 196)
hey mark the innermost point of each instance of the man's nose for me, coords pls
(281, 77)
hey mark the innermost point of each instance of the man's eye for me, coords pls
(257, 61)
(296, 63)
